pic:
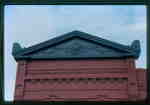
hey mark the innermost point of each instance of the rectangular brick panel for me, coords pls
(80, 80)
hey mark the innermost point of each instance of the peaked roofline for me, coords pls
(134, 48)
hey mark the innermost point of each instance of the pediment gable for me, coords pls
(76, 45)
(76, 48)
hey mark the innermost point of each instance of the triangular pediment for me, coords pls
(76, 48)
(76, 44)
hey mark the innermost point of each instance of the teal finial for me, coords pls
(16, 48)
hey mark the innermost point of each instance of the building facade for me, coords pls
(78, 66)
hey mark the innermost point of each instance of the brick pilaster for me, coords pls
(19, 87)
(132, 81)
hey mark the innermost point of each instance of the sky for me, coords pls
(32, 24)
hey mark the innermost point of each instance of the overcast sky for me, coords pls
(31, 24)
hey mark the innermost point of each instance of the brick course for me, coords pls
(80, 80)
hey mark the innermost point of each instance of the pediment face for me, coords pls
(76, 44)
(76, 48)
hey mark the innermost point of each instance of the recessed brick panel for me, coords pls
(80, 80)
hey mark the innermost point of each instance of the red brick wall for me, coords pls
(142, 83)
(88, 80)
